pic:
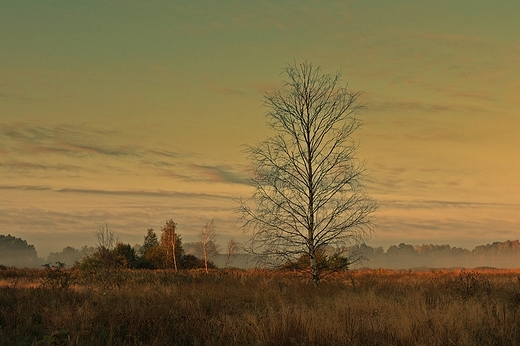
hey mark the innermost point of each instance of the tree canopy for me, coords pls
(16, 252)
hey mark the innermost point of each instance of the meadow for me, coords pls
(57, 306)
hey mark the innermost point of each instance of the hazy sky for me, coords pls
(133, 112)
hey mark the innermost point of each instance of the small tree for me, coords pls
(106, 243)
(232, 250)
(125, 255)
(308, 183)
(102, 268)
(150, 242)
(209, 248)
(171, 245)
(150, 254)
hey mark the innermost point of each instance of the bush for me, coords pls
(192, 262)
(57, 277)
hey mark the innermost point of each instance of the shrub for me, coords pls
(57, 277)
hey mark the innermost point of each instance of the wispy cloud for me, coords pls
(142, 193)
(266, 87)
(24, 187)
(429, 204)
(62, 139)
(393, 106)
(223, 90)
(474, 95)
(15, 165)
(166, 153)
(220, 174)
(136, 193)
(97, 154)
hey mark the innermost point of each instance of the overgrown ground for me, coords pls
(371, 307)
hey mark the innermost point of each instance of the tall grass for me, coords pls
(263, 308)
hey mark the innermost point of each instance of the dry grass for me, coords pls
(373, 307)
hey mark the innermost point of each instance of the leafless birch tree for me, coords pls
(308, 183)
(207, 240)
(232, 249)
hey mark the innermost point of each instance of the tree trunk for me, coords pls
(314, 270)
(205, 254)
(173, 250)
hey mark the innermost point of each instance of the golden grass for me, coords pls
(366, 307)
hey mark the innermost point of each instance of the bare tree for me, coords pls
(232, 249)
(207, 240)
(308, 182)
(106, 239)
(102, 269)
(106, 243)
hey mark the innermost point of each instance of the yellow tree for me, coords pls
(171, 245)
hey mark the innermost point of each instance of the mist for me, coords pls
(504, 254)
(17, 252)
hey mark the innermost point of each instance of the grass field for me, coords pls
(234, 307)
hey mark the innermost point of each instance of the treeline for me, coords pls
(167, 250)
(498, 254)
(16, 252)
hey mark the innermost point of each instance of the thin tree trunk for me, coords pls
(205, 253)
(173, 250)
(310, 186)
(314, 269)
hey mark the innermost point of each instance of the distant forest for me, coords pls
(404, 256)
(18, 253)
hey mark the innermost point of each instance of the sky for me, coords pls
(130, 113)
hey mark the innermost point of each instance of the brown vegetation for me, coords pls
(233, 307)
